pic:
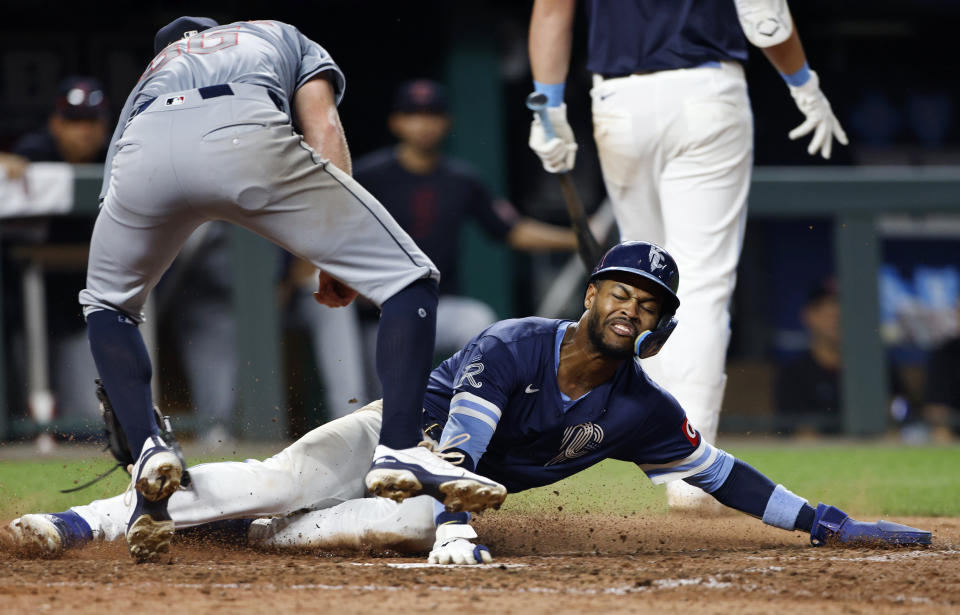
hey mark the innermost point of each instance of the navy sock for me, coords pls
(124, 367)
(74, 529)
(405, 340)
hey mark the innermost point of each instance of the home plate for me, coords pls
(426, 565)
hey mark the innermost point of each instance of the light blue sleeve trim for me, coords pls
(462, 403)
(716, 473)
(782, 508)
(480, 434)
(554, 92)
(798, 78)
(681, 467)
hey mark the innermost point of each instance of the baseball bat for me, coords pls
(587, 245)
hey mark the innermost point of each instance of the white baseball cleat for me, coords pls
(155, 477)
(400, 474)
(37, 535)
(683, 497)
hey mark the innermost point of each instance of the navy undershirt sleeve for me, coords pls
(745, 489)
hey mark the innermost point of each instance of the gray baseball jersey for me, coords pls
(206, 135)
(271, 54)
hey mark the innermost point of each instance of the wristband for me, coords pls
(783, 508)
(798, 78)
(554, 92)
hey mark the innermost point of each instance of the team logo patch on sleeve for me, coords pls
(690, 433)
(469, 374)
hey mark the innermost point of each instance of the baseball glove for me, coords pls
(117, 441)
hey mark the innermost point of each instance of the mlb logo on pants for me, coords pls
(175, 100)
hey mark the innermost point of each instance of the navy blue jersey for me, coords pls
(502, 391)
(433, 207)
(628, 36)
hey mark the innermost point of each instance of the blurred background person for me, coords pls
(941, 409)
(808, 387)
(432, 196)
(76, 132)
(77, 129)
(193, 304)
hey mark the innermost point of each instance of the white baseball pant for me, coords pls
(322, 472)
(676, 150)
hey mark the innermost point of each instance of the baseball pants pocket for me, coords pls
(619, 154)
(231, 130)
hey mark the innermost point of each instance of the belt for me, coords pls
(621, 75)
(708, 64)
(209, 91)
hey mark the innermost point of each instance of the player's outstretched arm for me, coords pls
(315, 106)
(768, 25)
(749, 491)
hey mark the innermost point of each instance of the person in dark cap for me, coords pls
(808, 391)
(432, 196)
(77, 129)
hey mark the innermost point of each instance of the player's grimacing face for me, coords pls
(619, 309)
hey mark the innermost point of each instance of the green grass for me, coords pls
(863, 479)
(34, 486)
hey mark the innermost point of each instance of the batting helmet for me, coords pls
(652, 262)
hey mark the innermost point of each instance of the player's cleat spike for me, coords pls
(155, 477)
(149, 535)
(400, 474)
(830, 524)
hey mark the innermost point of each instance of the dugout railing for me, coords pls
(852, 197)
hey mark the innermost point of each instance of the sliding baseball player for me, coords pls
(527, 402)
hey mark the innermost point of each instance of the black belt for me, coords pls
(620, 75)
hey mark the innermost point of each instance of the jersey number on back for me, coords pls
(201, 43)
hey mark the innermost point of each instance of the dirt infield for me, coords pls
(565, 564)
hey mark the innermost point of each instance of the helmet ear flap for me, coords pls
(649, 343)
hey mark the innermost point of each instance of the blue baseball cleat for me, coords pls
(399, 474)
(833, 525)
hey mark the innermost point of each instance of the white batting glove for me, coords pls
(453, 546)
(557, 154)
(820, 118)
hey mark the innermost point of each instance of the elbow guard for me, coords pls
(765, 22)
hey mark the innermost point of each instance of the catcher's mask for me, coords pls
(652, 262)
